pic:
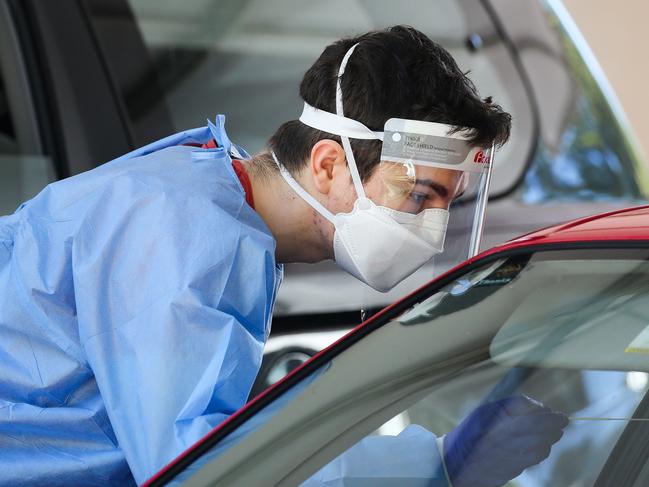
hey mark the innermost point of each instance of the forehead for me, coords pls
(421, 171)
(440, 176)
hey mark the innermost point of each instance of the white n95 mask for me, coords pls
(429, 225)
(373, 247)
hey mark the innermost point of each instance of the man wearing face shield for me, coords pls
(137, 297)
(399, 221)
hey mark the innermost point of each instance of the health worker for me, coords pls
(136, 298)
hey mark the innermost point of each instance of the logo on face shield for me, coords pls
(480, 157)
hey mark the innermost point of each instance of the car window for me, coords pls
(246, 59)
(565, 328)
(8, 144)
(24, 171)
(584, 151)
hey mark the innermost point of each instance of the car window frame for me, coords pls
(374, 323)
(17, 84)
(29, 159)
(509, 44)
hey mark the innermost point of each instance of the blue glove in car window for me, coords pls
(499, 440)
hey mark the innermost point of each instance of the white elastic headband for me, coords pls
(336, 124)
(351, 162)
(348, 128)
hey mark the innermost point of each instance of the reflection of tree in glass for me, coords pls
(595, 160)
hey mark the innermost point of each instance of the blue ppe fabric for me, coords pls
(490, 447)
(135, 300)
(256, 422)
(499, 440)
(410, 459)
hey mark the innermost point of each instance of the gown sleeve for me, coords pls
(173, 301)
(410, 459)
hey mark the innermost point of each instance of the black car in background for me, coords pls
(84, 81)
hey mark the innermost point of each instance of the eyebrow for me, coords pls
(438, 188)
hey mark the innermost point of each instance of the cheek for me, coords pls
(439, 202)
(343, 199)
(374, 188)
(386, 195)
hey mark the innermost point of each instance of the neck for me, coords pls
(295, 226)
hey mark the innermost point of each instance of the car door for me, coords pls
(79, 116)
(563, 324)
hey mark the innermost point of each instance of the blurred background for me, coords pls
(85, 81)
(616, 33)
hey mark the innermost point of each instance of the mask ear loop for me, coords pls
(351, 162)
(315, 204)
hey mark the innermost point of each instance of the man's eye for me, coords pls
(418, 197)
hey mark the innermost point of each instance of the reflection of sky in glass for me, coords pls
(592, 161)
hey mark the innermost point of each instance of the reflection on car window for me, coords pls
(7, 135)
(22, 172)
(566, 329)
(592, 160)
(246, 59)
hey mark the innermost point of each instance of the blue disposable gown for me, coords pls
(135, 300)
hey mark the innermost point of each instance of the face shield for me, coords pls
(400, 218)
(430, 165)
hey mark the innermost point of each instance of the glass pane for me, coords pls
(8, 143)
(21, 177)
(22, 172)
(566, 341)
(590, 156)
(246, 59)
(567, 329)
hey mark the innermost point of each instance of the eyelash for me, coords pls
(418, 197)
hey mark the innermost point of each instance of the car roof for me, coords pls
(620, 225)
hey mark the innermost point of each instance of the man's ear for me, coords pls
(327, 160)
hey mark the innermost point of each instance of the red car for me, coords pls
(560, 315)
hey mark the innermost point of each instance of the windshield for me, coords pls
(568, 329)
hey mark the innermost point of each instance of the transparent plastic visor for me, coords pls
(423, 165)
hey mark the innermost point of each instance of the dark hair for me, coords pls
(398, 72)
